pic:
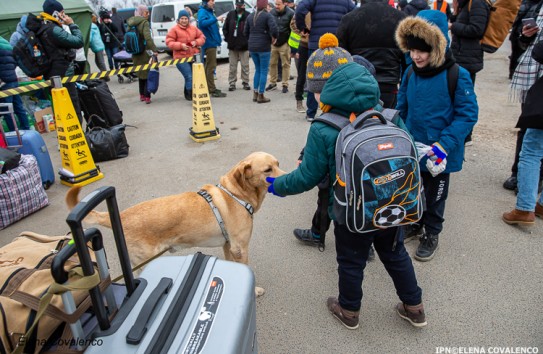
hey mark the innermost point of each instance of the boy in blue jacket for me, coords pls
(432, 117)
(349, 88)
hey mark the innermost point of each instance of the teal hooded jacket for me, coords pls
(350, 89)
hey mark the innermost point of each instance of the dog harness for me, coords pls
(204, 194)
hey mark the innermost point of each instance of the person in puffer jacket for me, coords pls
(413, 7)
(351, 89)
(8, 76)
(184, 40)
(432, 118)
(97, 46)
(20, 32)
(61, 46)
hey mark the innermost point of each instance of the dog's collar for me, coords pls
(216, 211)
(246, 205)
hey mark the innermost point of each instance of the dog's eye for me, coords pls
(268, 170)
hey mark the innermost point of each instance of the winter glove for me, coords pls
(437, 154)
(436, 168)
(270, 187)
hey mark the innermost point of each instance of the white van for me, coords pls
(165, 14)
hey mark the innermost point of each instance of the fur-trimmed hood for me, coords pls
(428, 28)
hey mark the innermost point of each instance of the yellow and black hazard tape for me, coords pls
(98, 75)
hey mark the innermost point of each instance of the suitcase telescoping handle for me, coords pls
(60, 275)
(74, 220)
(375, 114)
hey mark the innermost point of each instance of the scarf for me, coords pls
(528, 70)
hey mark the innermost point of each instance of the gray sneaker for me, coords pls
(347, 318)
(307, 236)
(309, 119)
(414, 314)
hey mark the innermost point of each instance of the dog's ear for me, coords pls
(242, 173)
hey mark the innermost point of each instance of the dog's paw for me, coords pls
(259, 291)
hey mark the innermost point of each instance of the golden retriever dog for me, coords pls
(187, 220)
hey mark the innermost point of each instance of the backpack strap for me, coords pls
(334, 120)
(452, 78)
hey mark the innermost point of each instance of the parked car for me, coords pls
(164, 16)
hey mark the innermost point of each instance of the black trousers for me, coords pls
(321, 219)
(143, 88)
(303, 53)
(436, 190)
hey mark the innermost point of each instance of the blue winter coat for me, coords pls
(96, 43)
(431, 117)
(7, 62)
(207, 23)
(325, 17)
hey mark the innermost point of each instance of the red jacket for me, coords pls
(178, 36)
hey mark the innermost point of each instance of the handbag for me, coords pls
(153, 77)
(106, 143)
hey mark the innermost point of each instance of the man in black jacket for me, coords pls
(280, 49)
(238, 47)
(468, 25)
(369, 31)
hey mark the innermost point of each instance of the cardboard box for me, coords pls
(38, 116)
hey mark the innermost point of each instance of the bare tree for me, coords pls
(149, 2)
(123, 4)
(95, 4)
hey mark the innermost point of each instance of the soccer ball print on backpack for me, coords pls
(134, 42)
(378, 181)
(29, 51)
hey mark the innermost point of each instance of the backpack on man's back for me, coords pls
(29, 52)
(378, 183)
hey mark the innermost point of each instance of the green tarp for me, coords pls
(11, 12)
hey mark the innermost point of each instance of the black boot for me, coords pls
(427, 247)
(188, 94)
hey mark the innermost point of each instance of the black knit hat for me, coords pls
(418, 43)
(50, 6)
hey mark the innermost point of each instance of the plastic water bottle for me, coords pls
(37, 52)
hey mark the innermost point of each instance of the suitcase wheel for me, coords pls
(121, 79)
(47, 184)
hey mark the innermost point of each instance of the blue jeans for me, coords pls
(186, 71)
(528, 170)
(262, 64)
(312, 104)
(18, 108)
(110, 53)
(352, 254)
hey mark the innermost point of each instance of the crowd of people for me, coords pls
(350, 60)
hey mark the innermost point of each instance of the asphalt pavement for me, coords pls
(482, 291)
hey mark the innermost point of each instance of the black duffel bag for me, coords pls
(98, 100)
(106, 143)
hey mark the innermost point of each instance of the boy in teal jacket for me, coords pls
(351, 89)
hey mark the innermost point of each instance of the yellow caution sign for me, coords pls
(203, 124)
(78, 168)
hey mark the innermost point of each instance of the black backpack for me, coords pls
(134, 42)
(29, 51)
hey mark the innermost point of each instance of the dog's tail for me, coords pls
(94, 217)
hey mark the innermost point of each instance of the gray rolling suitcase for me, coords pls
(190, 304)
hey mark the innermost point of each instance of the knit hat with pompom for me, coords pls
(324, 60)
